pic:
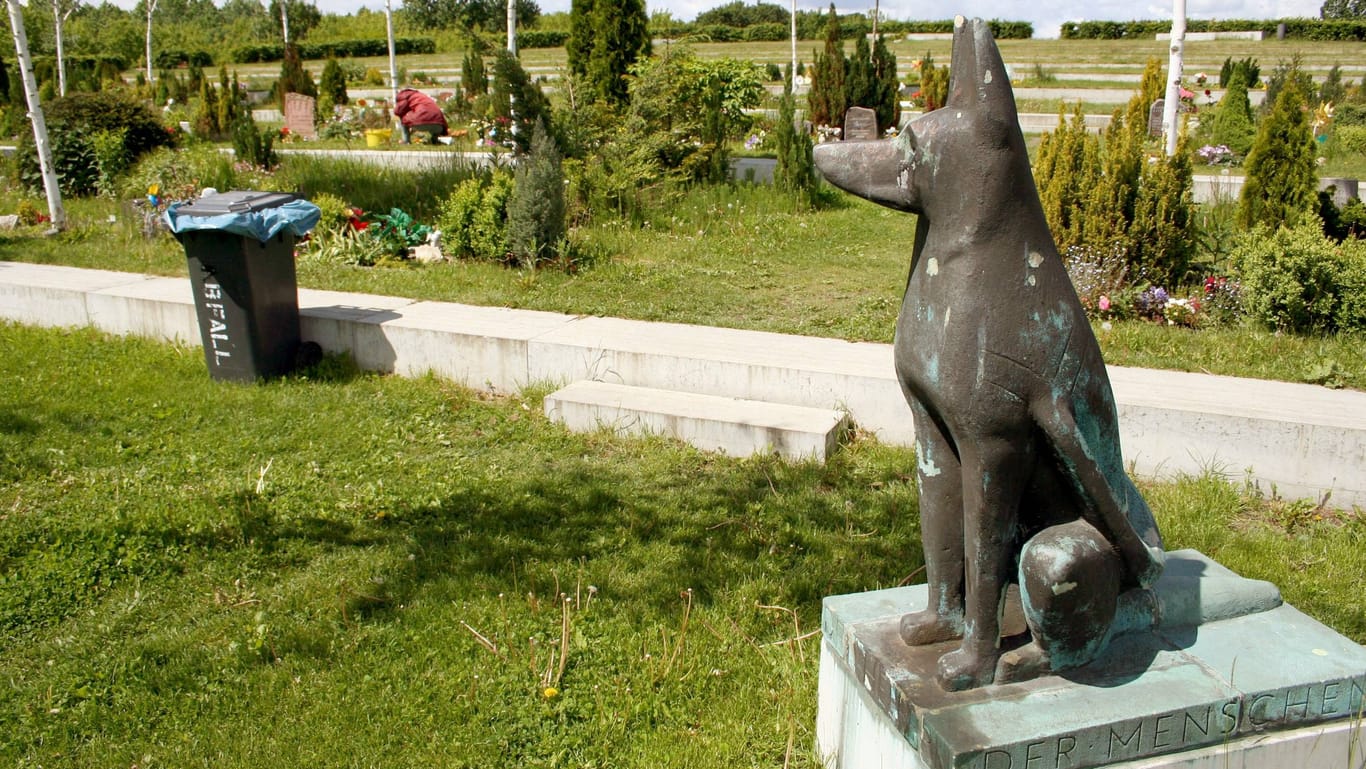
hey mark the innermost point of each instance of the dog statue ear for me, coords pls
(977, 74)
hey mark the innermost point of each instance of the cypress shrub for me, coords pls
(332, 84)
(516, 99)
(474, 78)
(1280, 180)
(1232, 124)
(826, 100)
(886, 88)
(796, 171)
(535, 212)
(293, 77)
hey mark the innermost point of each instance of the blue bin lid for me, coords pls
(261, 215)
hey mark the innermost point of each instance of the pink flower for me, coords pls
(1104, 303)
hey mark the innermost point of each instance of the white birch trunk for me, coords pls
(55, 211)
(1175, 68)
(151, 6)
(57, 18)
(393, 66)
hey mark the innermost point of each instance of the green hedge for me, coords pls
(174, 57)
(1295, 29)
(849, 28)
(1001, 30)
(337, 49)
(541, 38)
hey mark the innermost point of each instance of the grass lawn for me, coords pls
(345, 569)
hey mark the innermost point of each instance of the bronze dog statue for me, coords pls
(1020, 469)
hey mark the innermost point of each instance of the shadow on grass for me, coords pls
(764, 527)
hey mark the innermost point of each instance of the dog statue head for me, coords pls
(969, 156)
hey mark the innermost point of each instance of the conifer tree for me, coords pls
(605, 39)
(1232, 123)
(1279, 185)
(1066, 168)
(293, 77)
(206, 115)
(1162, 236)
(826, 100)
(796, 171)
(887, 89)
(1333, 89)
(474, 79)
(517, 99)
(859, 77)
(934, 84)
(228, 106)
(579, 45)
(332, 83)
(536, 211)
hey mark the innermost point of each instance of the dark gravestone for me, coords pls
(860, 124)
(1017, 438)
(1155, 117)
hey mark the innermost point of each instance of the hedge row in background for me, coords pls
(1295, 29)
(849, 29)
(173, 57)
(339, 49)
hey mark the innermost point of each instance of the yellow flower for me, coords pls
(550, 692)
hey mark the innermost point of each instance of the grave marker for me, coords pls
(860, 124)
(299, 115)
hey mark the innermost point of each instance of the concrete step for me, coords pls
(733, 426)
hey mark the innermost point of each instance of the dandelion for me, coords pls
(550, 692)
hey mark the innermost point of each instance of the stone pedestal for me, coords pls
(1273, 688)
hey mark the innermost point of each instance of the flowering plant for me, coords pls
(825, 133)
(1215, 155)
(1152, 303)
(1181, 312)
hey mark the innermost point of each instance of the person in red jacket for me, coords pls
(419, 112)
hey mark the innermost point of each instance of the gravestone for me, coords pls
(299, 114)
(1155, 117)
(860, 124)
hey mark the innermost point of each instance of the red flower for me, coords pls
(355, 220)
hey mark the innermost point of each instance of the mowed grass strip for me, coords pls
(342, 569)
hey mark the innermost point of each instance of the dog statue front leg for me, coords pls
(940, 481)
(994, 473)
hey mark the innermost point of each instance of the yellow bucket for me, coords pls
(375, 137)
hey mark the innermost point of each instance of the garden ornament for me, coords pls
(1017, 441)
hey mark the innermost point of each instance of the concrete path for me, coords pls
(1296, 440)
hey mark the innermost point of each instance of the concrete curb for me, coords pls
(1292, 439)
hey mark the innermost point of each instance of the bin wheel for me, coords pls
(308, 355)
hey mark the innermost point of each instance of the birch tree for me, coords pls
(61, 11)
(56, 212)
(150, 6)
